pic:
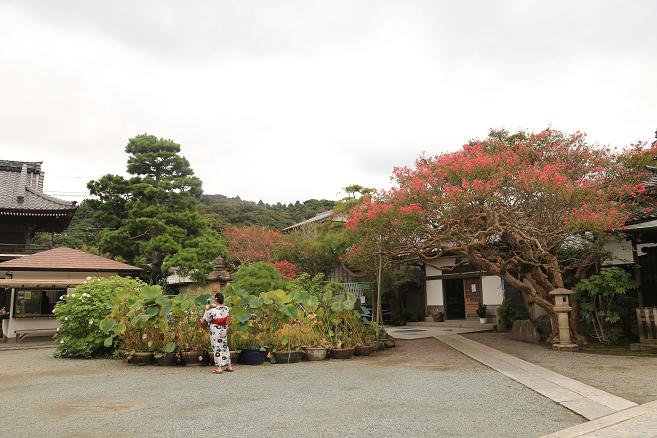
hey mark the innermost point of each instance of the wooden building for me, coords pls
(26, 210)
(30, 286)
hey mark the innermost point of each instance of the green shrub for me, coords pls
(80, 313)
(605, 304)
(543, 326)
(256, 278)
(509, 311)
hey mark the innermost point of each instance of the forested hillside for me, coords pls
(84, 231)
(225, 211)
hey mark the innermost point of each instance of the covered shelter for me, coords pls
(31, 286)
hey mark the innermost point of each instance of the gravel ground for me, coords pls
(419, 388)
(630, 377)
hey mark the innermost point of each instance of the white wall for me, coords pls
(620, 250)
(492, 290)
(433, 267)
(434, 292)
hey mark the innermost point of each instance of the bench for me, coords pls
(21, 334)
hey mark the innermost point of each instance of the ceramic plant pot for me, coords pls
(141, 358)
(194, 358)
(316, 353)
(169, 359)
(288, 356)
(364, 350)
(482, 320)
(342, 353)
(252, 357)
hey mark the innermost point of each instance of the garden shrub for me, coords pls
(543, 326)
(509, 311)
(256, 278)
(605, 303)
(80, 313)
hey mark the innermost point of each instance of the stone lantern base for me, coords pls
(565, 347)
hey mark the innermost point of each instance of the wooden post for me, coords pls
(637, 271)
(649, 325)
(642, 328)
(378, 288)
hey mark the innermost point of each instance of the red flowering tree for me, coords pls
(288, 270)
(526, 207)
(254, 244)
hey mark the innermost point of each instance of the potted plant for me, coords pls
(367, 339)
(287, 342)
(255, 352)
(191, 336)
(481, 312)
(137, 323)
(165, 348)
(318, 346)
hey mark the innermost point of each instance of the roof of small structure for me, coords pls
(66, 259)
(322, 217)
(21, 189)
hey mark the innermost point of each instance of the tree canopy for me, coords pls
(528, 207)
(152, 219)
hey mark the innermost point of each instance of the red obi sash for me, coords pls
(221, 321)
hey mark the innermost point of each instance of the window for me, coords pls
(36, 302)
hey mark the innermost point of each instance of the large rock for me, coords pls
(524, 330)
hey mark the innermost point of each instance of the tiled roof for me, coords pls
(327, 215)
(21, 189)
(66, 259)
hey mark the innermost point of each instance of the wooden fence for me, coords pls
(647, 319)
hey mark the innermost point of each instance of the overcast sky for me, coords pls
(287, 100)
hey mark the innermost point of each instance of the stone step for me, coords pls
(455, 323)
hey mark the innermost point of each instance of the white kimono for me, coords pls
(218, 335)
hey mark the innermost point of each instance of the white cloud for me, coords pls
(291, 100)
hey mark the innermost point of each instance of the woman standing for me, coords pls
(217, 317)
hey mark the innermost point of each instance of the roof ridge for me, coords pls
(50, 198)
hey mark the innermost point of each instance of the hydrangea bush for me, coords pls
(79, 314)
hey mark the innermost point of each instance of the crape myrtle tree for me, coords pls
(152, 218)
(532, 208)
(254, 243)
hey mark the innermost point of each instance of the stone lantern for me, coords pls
(562, 307)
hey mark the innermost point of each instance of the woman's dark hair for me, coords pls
(219, 297)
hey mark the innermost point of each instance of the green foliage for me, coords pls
(481, 310)
(257, 277)
(509, 311)
(225, 211)
(317, 248)
(81, 312)
(603, 300)
(295, 317)
(543, 326)
(153, 220)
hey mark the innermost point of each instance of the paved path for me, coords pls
(637, 422)
(418, 332)
(585, 400)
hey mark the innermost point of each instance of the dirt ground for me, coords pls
(633, 378)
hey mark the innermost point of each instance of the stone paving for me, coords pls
(585, 400)
(611, 416)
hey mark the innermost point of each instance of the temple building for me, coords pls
(26, 210)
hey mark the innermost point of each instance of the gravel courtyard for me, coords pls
(419, 388)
